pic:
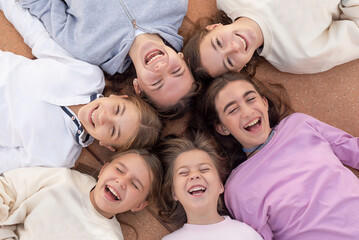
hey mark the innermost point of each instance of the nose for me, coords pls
(246, 110)
(194, 176)
(161, 66)
(122, 183)
(233, 47)
(104, 117)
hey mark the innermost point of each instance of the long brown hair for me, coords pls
(278, 108)
(169, 150)
(192, 54)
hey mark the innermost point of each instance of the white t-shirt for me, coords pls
(302, 36)
(227, 229)
(34, 130)
(51, 203)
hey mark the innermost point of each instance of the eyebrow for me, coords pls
(133, 177)
(232, 102)
(122, 112)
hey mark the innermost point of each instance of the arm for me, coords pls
(233, 200)
(7, 198)
(350, 9)
(32, 30)
(344, 146)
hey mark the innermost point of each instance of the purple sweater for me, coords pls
(297, 187)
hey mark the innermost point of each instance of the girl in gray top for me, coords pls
(111, 34)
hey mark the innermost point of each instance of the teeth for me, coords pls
(243, 41)
(196, 189)
(92, 115)
(154, 58)
(113, 191)
(252, 123)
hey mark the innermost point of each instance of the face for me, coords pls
(123, 185)
(112, 120)
(227, 48)
(162, 74)
(242, 113)
(196, 183)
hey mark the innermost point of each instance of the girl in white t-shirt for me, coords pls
(60, 203)
(191, 191)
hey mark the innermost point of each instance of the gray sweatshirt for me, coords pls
(101, 32)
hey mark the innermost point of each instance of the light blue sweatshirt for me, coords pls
(101, 32)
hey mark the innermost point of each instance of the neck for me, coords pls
(204, 218)
(256, 28)
(76, 108)
(253, 150)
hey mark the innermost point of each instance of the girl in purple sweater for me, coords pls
(288, 179)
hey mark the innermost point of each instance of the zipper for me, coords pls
(133, 21)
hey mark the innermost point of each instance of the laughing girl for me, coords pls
(192, 188)
(288, 179)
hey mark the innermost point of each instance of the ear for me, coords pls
(221, 129)
(265, 101)
(174, 195)
(140, 207)
(102, 168)
(107, 146)
(221, 189)
(181, 55)
(213, 26)
(137, 87)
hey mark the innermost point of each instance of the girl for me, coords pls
(51, 106)
(192, 188)
(290, 182)
(114, 34)
(48, 124)
(72, 203)
(300, 37)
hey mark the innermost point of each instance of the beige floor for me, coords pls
(330, 96)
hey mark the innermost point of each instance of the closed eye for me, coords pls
(117, 109)
(156, 83)
(218, 43)
(177, 70)
(229, 61)
(113, 131)
(135, 186)
(232, 110)
(119, 170)
(203, 170)
(185, 173)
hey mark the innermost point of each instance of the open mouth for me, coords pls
(92, 115)
(112, 194)
(253, 125)
(243, 40)
(197, 190)
(152, 56)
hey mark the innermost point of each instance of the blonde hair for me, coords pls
(149, 129)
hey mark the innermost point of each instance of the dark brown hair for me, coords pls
(192, 54)
(278, 108)
(123, 82)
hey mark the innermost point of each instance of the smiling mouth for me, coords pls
(243, 40)
(92, 116)
(152, 56)
(197, 190)
(253, 124)
(112, 193)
